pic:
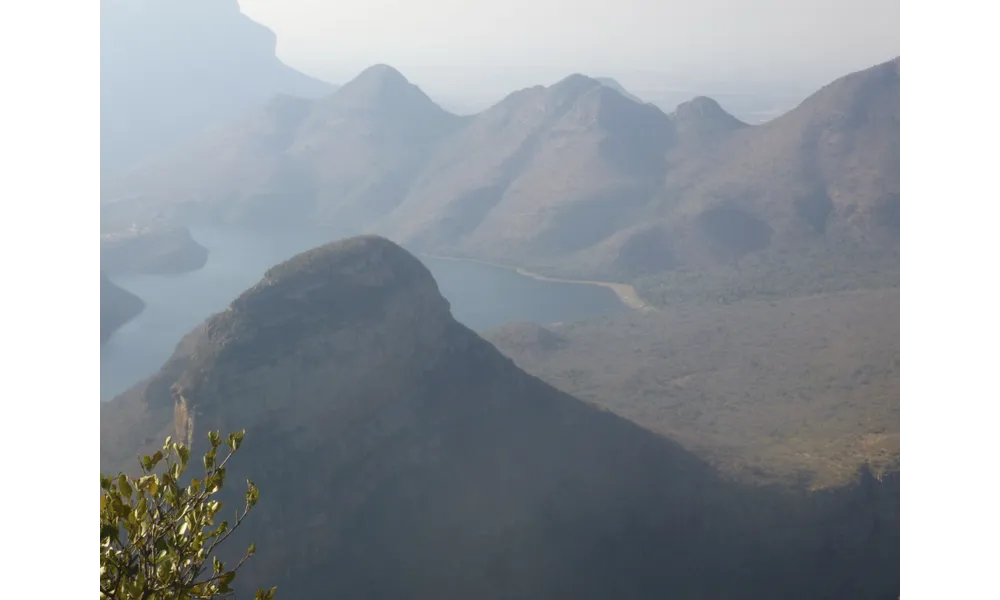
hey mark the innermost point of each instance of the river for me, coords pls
(481, 296)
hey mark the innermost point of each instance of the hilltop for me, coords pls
(702, 120)
(399, 454)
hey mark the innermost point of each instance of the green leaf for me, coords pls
(268, 595)
(118, 506)
(252, 494)
(108, 530)
(223, 526)
(163, 570)
(123, 486)
(159, 538)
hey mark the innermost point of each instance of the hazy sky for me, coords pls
(741, 42)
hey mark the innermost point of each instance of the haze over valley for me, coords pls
(572, 179)
(588, 335)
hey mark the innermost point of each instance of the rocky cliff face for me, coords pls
(400, 455)
(172, 68)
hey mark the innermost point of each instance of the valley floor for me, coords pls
(801, 390)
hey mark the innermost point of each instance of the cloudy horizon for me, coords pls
(734, 44)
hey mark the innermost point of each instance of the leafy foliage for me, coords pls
(158, 539)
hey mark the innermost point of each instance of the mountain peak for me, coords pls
(381, 89)
(702, 116)
(383, 74)
(333, 274)
(363, 286)
(703, 108)
(613, 84)
(574, 84)
(374, 258)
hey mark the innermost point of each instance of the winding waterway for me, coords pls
(481, 296)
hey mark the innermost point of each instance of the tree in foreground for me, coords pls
(158, 539)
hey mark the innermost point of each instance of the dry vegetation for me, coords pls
(815, 269)
(802, 390)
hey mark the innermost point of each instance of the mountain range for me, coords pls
(571, 179)
(400, 455)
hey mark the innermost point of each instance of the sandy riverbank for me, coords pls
(626, 293)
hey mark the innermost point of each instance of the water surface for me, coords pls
(481, 297)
